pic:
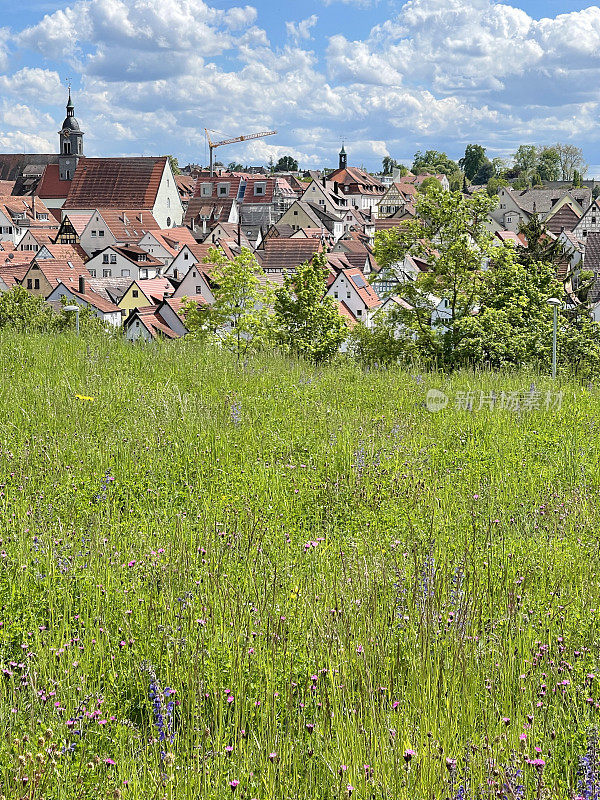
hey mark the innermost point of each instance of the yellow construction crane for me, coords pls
(213, 145)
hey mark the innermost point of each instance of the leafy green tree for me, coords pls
(433, 161)
(234, 166)
(241, 316)
(571, 161)
(494, 185)
(389, 165)
(548, 164)
(428, 183)
(174, 162)
(472, 161)
(24, 311)
(450, 232)
(307, 322)
(286, 164)
(485, 173)
(378, 345)
(525, 159)
(541, 248)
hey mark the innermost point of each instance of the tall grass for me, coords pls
(282, 582)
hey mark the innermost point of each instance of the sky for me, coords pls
(387, 77)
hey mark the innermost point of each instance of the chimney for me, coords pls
(81, 284)
(324, 179)
(33, 206)
(336, 187)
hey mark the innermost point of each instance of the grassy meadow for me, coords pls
(278, 582)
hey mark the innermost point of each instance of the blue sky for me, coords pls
(388, 76)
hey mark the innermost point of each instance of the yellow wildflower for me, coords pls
(83, 397)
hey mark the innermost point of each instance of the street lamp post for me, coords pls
(555, 303)
(76, 310)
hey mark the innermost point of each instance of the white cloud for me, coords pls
(301, 30)
(153, 73)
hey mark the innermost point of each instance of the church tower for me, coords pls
(71, 143)
(343, 158)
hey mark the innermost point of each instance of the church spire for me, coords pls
(343, 158)
(71, 143)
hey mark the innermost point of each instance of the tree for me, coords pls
(286, 164)
(240, 318)
(24, 311)
(450, 233)
(571, 160)
(494, 185)
(433, 161)
(540, 248)
(428, 182)
(234, 166)
(174, 162)
(548, 164)
(473, 160)
(525, 159)
(307, 322)
(485, 173)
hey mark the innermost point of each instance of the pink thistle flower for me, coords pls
(234, 784)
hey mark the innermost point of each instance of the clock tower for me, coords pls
(71, 143)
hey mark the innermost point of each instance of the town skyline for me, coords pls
(387, 78)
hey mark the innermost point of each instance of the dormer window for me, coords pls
(223, 190)
(206, 190)
(260, 189)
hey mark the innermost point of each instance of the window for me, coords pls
(348, 295)
(106, 273)
(223, 190)
(168, 202)
(79, 146)
(100, 233)
(359, 312)
(143, 273)
(113, 258)
(92, 273)
(67, 148)
(41, 216)
(135, 293)
(193, 273)
(105, 258)
(206, 190)
(36, 283)
(186, 256)
(198, 290)
(502, 205)
(593, 219)
(585, 233)
(295, 213)
(260, 189)
(125, 273)
(29, 283)
(335, 294)
(94, 234)
(168, 222)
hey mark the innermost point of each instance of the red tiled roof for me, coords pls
(154, 323)
(116, 183)
(51, 185)
(91, 298)
(67, 252)
(281, 254)
(79, 220)
(347, 314)
(128, 225)
(57, 271)
(13, 274)
(156, 288)
(367, 294)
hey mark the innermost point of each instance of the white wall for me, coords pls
(168, 211)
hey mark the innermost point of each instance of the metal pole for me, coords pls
(554, 342)
(77, 321)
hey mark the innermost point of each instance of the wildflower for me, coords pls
(272, 757)
(349, 789)
(310, 727)
(450, 764)
(83, 397)
(408, 755)
(234, 784)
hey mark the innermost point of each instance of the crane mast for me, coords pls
(213, 145)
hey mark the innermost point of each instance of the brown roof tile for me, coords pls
(116, 183)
